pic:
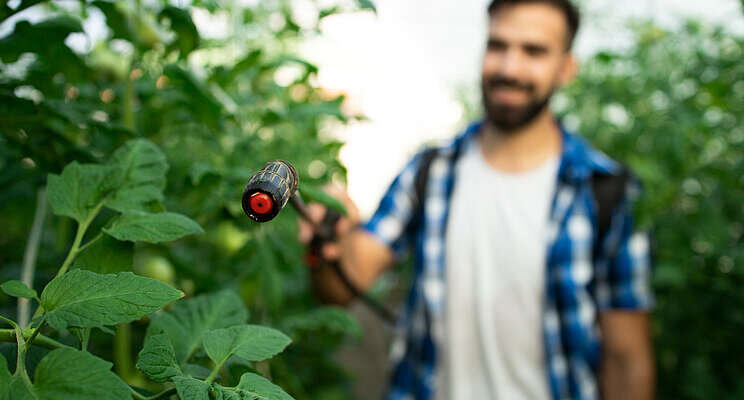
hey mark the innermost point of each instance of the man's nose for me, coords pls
(512, 65)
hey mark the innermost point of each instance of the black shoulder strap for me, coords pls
(422, 176)
(608, 192)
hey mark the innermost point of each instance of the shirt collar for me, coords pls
(579, 160)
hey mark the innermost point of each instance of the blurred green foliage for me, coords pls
(219, 107)
(671, 107)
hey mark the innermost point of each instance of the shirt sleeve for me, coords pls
(626, 283)
(393, 221)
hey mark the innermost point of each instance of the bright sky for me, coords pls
(401, 69)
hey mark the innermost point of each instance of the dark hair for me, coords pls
(565, 6)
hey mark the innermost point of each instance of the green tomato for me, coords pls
(159, 268)
(229, 238)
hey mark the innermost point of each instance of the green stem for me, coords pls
(86, 339)
(162, 395)
(90, 242)
(215, 371)
(123, 352)
(35, 333)
(9, 335)
(21, 359)
(75, 249)
(29, 256)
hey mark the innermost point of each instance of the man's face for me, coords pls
(526, 60)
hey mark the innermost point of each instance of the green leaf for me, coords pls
(18, 289)
(252, 342)
(4, 374)
(186, 322)
(117, 19)
(367, 5)
(86, 299)
(158, 358)
(315, 194)
(334, 319)
(187, 36)
(71, 374)
(140, 169)
(106, 256)
(252, 387)
(78, 190)
(15, 389)
(141, 226)
(191, 389)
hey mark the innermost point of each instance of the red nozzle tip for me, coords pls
(261, 203)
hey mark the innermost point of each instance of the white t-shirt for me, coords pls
(495, 257)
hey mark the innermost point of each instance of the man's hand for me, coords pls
(361, 256)
(627, 370)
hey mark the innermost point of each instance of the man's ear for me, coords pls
(569, 70)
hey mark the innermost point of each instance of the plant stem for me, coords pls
(215, 371)
(29, 256)
(90, 242)
(9, 335)
(35, 333)
(86, 339)
(75, 249)
(21, 359)
(123, 352)
(164, 394)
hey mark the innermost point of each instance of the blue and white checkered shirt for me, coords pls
(579, 283)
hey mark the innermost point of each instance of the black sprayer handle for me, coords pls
(266, 194)
(326, 232)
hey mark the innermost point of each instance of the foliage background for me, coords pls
(670, 106)
(216, 110)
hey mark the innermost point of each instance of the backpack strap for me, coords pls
(608, 190)
(422, 177)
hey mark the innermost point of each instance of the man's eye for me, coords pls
(495, 45)
(535, 51)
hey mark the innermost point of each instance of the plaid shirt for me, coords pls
(580, 283)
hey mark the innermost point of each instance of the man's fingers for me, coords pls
(306, 232)
(331, 251)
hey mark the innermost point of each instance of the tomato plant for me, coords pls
(99, 134)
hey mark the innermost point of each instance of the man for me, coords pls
(514, 295)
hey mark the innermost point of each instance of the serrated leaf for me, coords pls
(140, 169)
(191, 389)
(106, 256)
(77, 190)
(253, 387)
(252, 342)
(315, 194)
(18, 289)
(140, 226)
(86, 299)
(334, 319)
(71, 374)
(186, 322)
(158, 359)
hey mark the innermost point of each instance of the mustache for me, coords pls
(504, 82)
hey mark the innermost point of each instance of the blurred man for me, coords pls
(517, 292)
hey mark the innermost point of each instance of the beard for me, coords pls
(508, 118)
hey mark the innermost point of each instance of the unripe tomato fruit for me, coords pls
(229, 238)
(158, 267)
